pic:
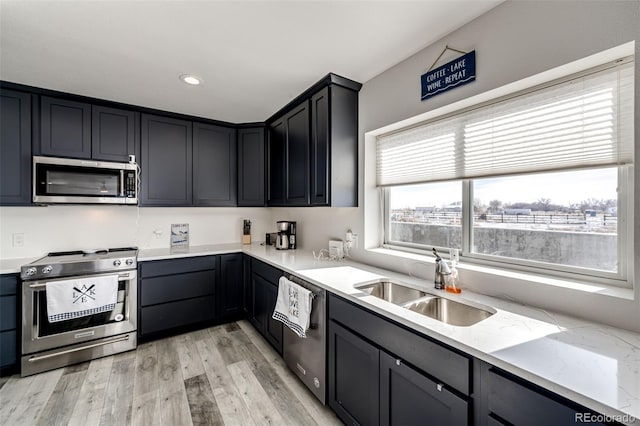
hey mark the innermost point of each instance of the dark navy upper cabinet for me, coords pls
(165, 161)
(334, 147)
(214, 165)
(65, 128)
(288, 151)
(251, 159)
(276, 152)
(81, 130)
(297, 156)
(15, 148)
(313, 147)
(114, 134)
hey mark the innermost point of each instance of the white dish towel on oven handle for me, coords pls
(75, 298)
(293, 306)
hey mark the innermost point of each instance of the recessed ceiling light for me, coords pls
(190, 79)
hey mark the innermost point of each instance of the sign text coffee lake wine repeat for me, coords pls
(458, 72)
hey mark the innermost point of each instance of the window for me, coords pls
(541, 179)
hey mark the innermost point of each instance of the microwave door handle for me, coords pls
(122, 183)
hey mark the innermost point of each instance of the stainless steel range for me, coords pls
(57, 330)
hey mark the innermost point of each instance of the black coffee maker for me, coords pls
(286, 239)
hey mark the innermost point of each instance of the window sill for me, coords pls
(539, 279)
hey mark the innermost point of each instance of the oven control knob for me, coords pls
(116, 262)
(129, 262)
(47, 269)
(30, 271)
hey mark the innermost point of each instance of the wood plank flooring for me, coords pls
(223, 375)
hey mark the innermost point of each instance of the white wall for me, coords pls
(514, 41)
(56, 228)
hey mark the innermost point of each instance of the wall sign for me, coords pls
(458, 72)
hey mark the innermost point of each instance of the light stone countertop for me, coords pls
(12, 266)
(592, 364)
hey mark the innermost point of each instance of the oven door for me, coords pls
(38, 334)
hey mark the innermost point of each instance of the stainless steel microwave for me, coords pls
(71, 181)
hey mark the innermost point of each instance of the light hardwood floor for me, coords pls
(226, 374)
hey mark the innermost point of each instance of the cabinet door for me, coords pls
(297, 156)
(65, 128)
(15, 147)
(273, 328)
(251, 167)
(517, 402)
(320, 145)
(276, 163)
(408, 398)
(9, 320)
(114, 134)
(354, 373)
(246, 279)
(165, 161)
(230, 290)
(214, 165)
(258, 301)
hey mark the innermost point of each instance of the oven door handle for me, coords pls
(68, 351)
(120, 276)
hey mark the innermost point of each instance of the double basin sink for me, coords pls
(439, 308)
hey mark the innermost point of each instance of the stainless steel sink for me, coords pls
(449, 311)
(396, 293)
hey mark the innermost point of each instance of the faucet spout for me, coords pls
(441, 269)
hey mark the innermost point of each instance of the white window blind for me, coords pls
(582, 122)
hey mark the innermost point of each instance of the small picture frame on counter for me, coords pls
(179, 235)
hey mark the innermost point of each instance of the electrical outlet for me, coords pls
(351, 239)
(18, 239)
(157, 232)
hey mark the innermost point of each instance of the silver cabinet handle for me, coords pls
(68, 351)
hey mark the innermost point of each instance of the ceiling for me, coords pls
(254, 57)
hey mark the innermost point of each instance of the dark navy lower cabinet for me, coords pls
(408, 397)
(512, 400)
(9, 314)
(264, 292)
(175, 293)
(230, 287)
(354, 372)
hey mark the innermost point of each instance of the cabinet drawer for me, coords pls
(176, 266)
(8, 305)
(169, 315)
(268, 272)
(446, 365)
(8, 284)
(176, 287)
(8, 341)
(519, 404)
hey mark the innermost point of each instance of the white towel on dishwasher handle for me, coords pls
(293, 306)
(75, 298)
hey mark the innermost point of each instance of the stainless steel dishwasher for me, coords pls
(307, 357)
